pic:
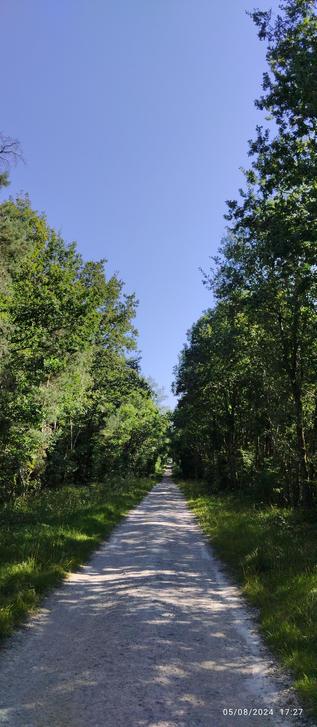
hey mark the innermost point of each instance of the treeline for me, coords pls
(74, 406)
(247, 378)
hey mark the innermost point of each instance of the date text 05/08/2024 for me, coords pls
(261, 711)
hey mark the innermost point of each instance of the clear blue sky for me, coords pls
(134, 117)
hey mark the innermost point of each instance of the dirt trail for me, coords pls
(149, 634)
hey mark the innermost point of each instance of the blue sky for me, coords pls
(134, 117)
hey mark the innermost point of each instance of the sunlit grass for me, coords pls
(45, 536)
(272, 552)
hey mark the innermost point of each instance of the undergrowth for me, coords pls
(45, 536)
(272, 552)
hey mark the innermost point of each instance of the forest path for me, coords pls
(148, 634)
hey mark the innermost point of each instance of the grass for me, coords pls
(272, 553)
(45, 536)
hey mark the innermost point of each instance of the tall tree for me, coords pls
(268, 261)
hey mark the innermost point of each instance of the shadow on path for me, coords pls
(149, 633)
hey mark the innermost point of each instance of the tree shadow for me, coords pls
(148, 633)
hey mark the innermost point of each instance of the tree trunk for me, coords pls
(293, 366)
(305, 492)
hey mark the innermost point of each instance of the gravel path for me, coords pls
(148, 634)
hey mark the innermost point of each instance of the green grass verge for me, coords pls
(272, 552)
(45, 536)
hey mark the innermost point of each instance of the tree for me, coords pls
(266, 270)
(10, 154)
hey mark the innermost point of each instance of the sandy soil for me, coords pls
(149, 634)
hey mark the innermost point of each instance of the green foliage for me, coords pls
(247, 379)
(73, 402)
(272, 552)
(290, 85)
(44, 536)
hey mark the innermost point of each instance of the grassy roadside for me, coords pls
(272, 552)
(47, 535)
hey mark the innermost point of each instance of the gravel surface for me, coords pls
(149, 634)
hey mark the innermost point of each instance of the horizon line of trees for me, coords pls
(247, 378)
(74, 406)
